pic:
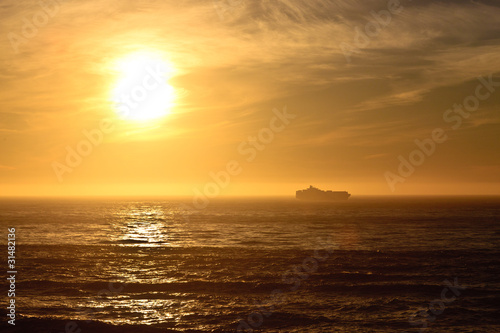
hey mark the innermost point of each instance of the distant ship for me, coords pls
(315, 194)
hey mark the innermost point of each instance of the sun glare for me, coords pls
(141, 91)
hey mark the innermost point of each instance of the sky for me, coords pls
(259, 97)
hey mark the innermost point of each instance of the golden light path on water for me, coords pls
(148, 226)
(151, 269)
(139, 230)
(164, 257)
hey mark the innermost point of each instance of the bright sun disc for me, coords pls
(141, 92)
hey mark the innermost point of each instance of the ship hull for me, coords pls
(314, 194)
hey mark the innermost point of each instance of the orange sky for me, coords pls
(268, 97)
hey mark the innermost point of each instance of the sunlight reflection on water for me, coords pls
(146, 226)
(203, 272)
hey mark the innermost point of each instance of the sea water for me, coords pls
(369, 264)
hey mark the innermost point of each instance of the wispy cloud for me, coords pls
(232, 72)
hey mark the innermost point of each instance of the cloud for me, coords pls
(262, 54)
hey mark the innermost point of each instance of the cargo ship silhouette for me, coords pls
(315, 194)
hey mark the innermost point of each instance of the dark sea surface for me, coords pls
(370, 264)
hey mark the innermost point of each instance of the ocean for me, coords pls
(369, 264)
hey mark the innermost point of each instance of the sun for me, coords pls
(141, 92)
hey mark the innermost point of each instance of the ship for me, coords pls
(315, 194)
